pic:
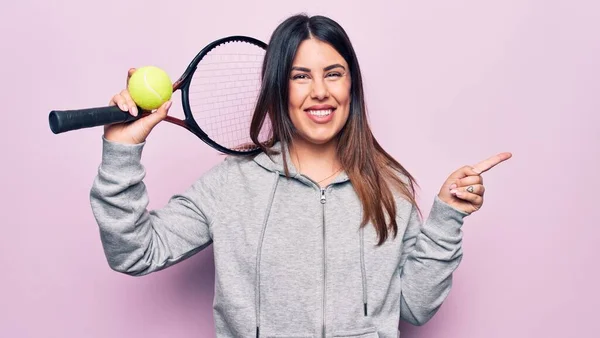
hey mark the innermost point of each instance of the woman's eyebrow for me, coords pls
(307, 70)
(301, 69)
(337, 65)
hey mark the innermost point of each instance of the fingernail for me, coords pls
(458, 194)
(134, 111)
(453, 186)
(168, 105)
(454, 191)
(124, 107)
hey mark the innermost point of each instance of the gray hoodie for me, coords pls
(290, 257)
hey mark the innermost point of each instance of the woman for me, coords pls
(318, 235)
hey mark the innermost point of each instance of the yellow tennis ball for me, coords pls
(150, 87)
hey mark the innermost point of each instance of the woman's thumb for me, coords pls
(159, 115)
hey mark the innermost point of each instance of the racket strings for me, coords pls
(223, 94)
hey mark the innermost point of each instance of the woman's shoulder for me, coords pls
(229, 174)
(234, 167)
(403, 189)
(230, 163)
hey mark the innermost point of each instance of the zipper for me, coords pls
(323, 201)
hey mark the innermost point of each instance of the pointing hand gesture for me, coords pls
(464, 188)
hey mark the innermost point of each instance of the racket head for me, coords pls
(219, 91)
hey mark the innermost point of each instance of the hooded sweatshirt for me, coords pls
(291, 259)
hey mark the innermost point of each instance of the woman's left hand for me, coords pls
(464, 188)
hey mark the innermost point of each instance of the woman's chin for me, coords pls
(319, 140)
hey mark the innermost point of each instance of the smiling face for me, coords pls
(319, 92)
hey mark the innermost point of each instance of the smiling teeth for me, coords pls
(320, 113)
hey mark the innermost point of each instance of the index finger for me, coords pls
(491, 162)
(129, 73)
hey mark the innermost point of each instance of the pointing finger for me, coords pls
(463, 172)
(491, 162)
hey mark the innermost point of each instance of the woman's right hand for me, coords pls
(136, 131)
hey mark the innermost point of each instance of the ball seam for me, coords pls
(150, 88)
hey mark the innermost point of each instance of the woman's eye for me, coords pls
(300, 76)
(334, 74)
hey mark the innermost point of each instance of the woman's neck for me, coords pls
(317, 161)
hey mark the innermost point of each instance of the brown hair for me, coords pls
(372, 171)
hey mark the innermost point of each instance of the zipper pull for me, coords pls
(323, 199)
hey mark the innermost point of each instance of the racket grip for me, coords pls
(66, 120)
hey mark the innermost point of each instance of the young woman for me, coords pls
(317, 236)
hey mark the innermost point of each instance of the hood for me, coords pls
(274, 163)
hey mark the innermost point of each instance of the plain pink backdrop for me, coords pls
(448, 83)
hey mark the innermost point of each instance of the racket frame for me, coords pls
(62, 121)
(183, 84)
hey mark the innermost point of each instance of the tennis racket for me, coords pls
(218, 89)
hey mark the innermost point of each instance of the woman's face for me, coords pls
(319, 89)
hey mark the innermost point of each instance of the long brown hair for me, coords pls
(374, 174)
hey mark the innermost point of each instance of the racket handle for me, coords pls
(66, 120)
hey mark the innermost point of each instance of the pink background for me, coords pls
(449, 83)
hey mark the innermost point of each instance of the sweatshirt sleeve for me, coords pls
(432, 251)
(137, 241)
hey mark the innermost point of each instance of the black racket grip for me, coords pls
(66, 120)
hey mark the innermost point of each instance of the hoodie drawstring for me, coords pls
(260, 243)
(362, 269)
(259, 252)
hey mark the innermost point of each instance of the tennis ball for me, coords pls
(150, 87)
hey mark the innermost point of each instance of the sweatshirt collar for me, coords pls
(274, 163)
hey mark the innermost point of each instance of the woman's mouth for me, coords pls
(320, 114)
